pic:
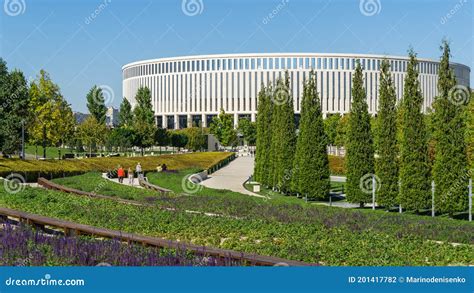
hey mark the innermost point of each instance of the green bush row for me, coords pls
(225, 161)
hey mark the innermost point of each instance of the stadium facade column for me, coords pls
(176, 121)
(189, 120)
(165, 121)
(236, 120)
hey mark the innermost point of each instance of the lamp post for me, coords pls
(22, 139)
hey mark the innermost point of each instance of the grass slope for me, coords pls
(58, 168)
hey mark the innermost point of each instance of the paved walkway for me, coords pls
(125, 181)
(338, 178)
(233, 176)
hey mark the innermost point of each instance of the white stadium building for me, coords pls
(191, 90)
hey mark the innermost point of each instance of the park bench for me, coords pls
(68, 156)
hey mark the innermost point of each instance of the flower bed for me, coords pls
(23, 246)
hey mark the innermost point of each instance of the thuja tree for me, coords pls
(264, 132)
(359, 143)
(272, 158)
(450, 164)
(268, 164)
(387, 164)
(311, 164)
(414, 166)
(470, 131)
(283, 136)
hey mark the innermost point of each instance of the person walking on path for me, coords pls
(130, 176)
(138, 170)
(121, 174)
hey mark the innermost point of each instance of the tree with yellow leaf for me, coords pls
(51, 122)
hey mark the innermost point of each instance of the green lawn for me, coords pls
(93, 182)
(51, 152)
(177, 182)
(335, 187)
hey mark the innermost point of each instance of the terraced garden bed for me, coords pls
(247, 207)
(315, 234)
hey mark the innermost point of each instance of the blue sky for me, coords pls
(86, 42)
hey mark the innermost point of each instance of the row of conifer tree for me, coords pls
(295, 162)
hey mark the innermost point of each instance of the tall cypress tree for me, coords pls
(264, 120)
(387, 164)
(470, 131)
(283, 136)
(414, 166)
(274, 147)
(311, 163)
(267, 167)
(450, 164)
(359, 145)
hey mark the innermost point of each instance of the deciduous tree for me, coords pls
(96, 104)
(143, 119)
(51, 118)
(248, 130)
(222, 127)
(125, 114)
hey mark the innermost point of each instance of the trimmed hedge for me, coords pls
(31, 170)
(223, 162)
